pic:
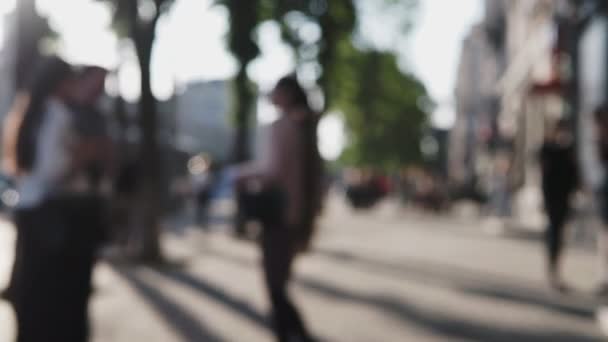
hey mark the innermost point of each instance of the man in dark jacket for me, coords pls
(560, 180)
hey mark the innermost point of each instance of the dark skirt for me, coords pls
(52, 281)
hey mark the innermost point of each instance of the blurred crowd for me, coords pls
(74, 191)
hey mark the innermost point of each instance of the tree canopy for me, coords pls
(357, 78)
(363, 81)
(385, 122)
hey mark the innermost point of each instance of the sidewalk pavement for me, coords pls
(383, 275)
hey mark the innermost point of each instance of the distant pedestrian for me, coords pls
(560, 180)
(500, 188)
(284, 192)
(204, 182)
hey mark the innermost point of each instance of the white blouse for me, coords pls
(53, 163)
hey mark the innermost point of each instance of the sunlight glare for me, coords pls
(190, 43)
(267, 113)
(84, 29)
(129, 78)
(7, 6)
(444, 117)
(276, 59)
(332, 138)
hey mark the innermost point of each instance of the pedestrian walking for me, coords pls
(601, 122)
(560, 180)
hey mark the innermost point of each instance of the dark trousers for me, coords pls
(557, 212)
(52, 280)
(277, 257)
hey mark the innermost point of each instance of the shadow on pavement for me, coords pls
(437, 322)
(472, 282)
(423, 269)
(182, 322)
(465, 280)
(509, 295)
(214, 293)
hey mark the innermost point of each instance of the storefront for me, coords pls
(593, 72)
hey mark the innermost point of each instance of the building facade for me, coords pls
(203, 119)
(507, 91)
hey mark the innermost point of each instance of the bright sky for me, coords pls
(436, 46)
(191, 46)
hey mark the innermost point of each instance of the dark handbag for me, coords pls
(266, 206)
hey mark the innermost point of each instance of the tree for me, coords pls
(359, 78)
(244, 18)
(386, 123)
(335, 20)
(30, 30)
(339, 23)
(333, 50)
(137, 20)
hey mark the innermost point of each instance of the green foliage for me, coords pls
(379, 102)
(244, 19)
(385, 125)
(137, 19)
(335, 21)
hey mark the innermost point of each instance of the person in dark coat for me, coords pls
(59, 217)
(559, 181)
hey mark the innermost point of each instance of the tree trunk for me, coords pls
(244, 103)
(243, 109)
(149, 192)
(30, 29)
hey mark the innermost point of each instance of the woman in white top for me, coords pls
(57, 219)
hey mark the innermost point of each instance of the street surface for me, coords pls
(385, 275)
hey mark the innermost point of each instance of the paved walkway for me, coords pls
(380, 276)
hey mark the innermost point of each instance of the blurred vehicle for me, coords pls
(364, 189)
(431, 194)
(423, 189)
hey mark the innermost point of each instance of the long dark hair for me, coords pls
(47, 77)
(311, 180)
(297, 94)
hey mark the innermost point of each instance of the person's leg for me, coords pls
(602, 241)
(69, 275)
(36, 284)
(277, 262)
(557, 213)
(9, 291)
(602, 259)
(202, 204)
(88, 227)
(77, 290)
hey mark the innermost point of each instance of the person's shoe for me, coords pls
(602, 290)
(558, 285)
